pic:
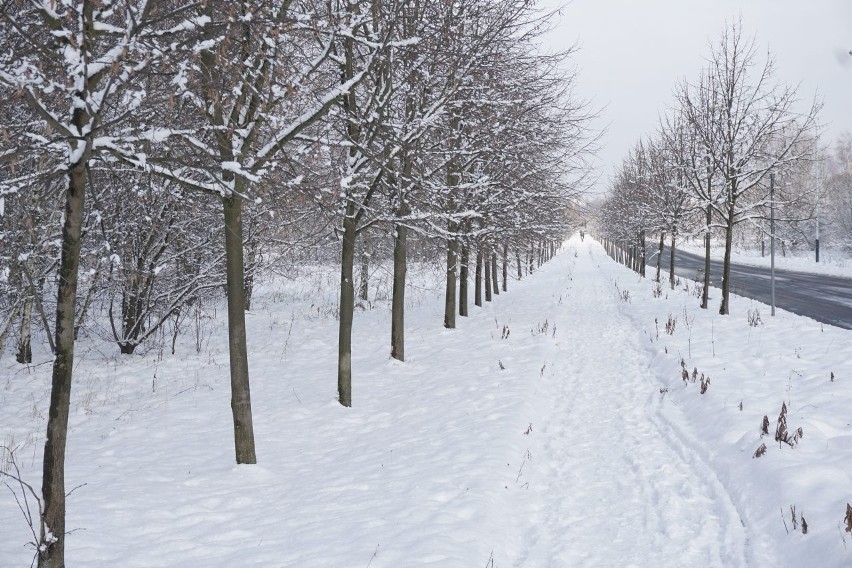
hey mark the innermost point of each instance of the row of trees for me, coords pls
(135, 133)
(708, 167)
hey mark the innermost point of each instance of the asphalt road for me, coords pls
(824, 298)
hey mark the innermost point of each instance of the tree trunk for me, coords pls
(400, 267)
(25, 348)
(463, 279)
(495, 282)
(52, 553)
(477, 294)
(705, 294)
(450, 292)
(505, 268)
(672, 261)
(249, 272)
(643, 258)
(486, 258)
(8, 326)
(347, 310)
(237, 349)
(364, 280)
(726, 263)
(660, 254)
(518, 263)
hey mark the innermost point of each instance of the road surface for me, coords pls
(822, 297)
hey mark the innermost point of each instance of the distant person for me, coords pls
(582, 234)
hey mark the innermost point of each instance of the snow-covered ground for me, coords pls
(551, 429)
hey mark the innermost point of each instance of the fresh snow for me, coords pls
(551, 429)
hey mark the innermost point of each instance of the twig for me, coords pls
(375, 553)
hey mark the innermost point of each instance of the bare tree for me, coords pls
(748, 127)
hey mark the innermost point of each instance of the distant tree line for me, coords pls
(708, 169)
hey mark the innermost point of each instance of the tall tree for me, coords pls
(77, 66)
(748, 127)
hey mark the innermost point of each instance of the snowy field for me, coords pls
(553, 428)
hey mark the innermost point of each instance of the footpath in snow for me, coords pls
(551, 429)
(613, 485)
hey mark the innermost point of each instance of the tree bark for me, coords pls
(495, 282)
(505, 268)
(660, 254)
(249, 272)
(25, 344)
(726, 263)
(52, 553)
(477, 294)
(364, 279)
(450, 292)
(518, 263)
(672, 261)
(705, 294)
(347, 310)
(463, 279)
(400, 268)
(237, 349)
(8, 326)
(487, 275)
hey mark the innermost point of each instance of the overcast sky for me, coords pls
(633, 52)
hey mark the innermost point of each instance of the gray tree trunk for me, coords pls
(672, 262)
(505, 267)
(450, 292)
(477, 294)
(52, 551)
(487, 275)
(705, 294)
(13, 314)
(400, 267)
(495, 281)
(24, 354)
(347, 309)
(660, 254)
(237, 349)
(726, 263)
(518, 262)
(364, 279)
(249, 272)
(463, 278)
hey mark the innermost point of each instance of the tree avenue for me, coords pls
(713, 156)
(160, 158)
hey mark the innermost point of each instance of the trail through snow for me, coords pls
(615, 485)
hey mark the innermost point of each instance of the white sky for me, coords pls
(633, 52)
